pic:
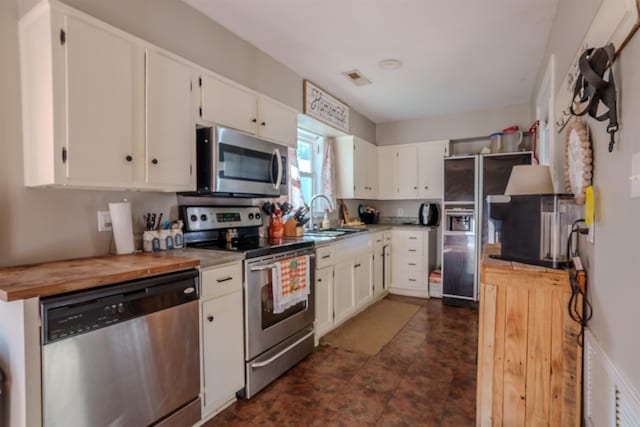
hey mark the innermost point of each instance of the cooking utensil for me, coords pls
(159, 221)
(153, 221)
(268, 208)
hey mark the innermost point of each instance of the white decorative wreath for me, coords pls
(578, 169)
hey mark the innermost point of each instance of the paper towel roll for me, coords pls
(122, 224)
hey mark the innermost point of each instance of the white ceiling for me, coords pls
(458, 55)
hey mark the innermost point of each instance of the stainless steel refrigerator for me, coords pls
(468, 180)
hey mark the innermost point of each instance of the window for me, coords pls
(305, 173)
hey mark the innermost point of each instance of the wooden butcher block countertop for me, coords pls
(41, 280)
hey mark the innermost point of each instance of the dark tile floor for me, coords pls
(425, 376)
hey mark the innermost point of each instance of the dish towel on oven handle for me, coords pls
(290, 283)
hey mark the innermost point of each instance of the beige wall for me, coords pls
(470, 124)
(612, 263)
(43, 224)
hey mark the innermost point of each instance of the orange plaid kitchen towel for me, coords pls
(290, 282)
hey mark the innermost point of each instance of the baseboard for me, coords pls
(409, 292)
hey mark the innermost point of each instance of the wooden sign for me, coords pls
(324, 107)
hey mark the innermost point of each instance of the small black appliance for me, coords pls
(429, 214)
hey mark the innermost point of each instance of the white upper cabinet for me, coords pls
(82, 98)
(411, 171)
(357, 168)
(228, 104)
(398, 171)
(101, 108)
(430, 168)
(170, 149)
(277, 122)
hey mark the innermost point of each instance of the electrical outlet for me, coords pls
(104, 221)
(590, 236)
(400, 212)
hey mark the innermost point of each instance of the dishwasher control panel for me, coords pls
(86, 311)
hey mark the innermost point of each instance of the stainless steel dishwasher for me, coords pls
(123, 355)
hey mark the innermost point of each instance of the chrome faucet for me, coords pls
(313, 199)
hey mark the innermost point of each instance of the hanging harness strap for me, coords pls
(592, 88)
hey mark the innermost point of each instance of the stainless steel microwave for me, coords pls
(232, 163)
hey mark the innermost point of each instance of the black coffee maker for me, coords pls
(429, 214)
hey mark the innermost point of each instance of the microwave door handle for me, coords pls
(276, 152)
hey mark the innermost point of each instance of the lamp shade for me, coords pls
(529, 179)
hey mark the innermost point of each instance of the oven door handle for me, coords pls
(277, 356)
(263, 267)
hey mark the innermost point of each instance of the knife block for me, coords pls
(291, 228)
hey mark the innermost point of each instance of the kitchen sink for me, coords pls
(333, 232)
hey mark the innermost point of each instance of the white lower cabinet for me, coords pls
(324, 300)
(381, 245)
(344, 299)
(222, 336)
(363, 278)
(414, 256)
(345, 277)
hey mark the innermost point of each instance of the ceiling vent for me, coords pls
(357, 78)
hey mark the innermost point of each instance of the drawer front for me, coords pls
(413, 245)
(221, 280)
(387, 237)
(324, 257)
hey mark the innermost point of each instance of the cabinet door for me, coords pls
(223, 355)
(363, 279)
(277, 122)
(228, 104)
(359, 168)
(386, 172)
(378, 267)
(406, 171)
(430, 168)
(102, 91)
(344, 303)
(324, 300)
(171, 131)
(372, 170)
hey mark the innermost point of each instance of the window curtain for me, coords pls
(295, 189)
(328, 171)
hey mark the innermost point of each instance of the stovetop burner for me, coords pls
(254, 248)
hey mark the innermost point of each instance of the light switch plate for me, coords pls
(104, 221)
(635, 175)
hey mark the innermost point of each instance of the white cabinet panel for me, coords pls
(223, 357)
(398, 171)
(386, 172)
(344, 303)
(406, 171)
(430, 168)
(170, 150)
(228, 104)
(101, 89)
(99, 106)
(377, 244)
(277, 122)
(324, 300)
(363, 271)
(357, 168)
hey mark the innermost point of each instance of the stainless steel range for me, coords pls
(274, 342)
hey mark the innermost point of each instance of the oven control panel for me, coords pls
(202, 218)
